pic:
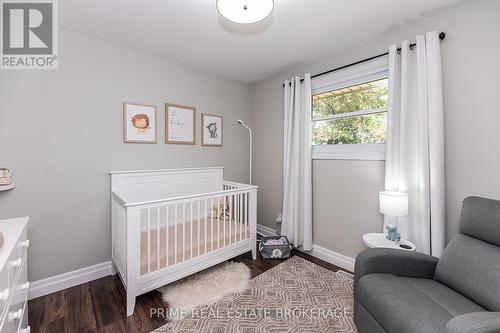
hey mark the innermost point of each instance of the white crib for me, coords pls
(168, 224)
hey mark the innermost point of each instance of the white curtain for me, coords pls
(297, 179)
(415, 141)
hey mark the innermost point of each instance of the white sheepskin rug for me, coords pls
(205, 288)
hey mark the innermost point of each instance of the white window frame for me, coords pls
(365, 72)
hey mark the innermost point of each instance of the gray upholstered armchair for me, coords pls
(406, 292)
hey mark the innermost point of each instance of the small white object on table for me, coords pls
(379, 240)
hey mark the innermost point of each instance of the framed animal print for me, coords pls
(180, 124)
(211, 130)
(139, 123)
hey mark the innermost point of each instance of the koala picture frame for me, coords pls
(139, 123)
(211, 130)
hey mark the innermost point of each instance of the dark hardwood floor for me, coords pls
(99, 306)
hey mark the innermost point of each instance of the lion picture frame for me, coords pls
(139, 123)
(211, 130)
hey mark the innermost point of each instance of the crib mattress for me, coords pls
(216, 238)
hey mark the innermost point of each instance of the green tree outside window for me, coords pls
(361, 129)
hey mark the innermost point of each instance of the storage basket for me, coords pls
(275, 247)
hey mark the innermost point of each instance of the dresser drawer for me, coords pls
(13, 276)
(10, 272)
(17, 258)
(18, 304)
(14, 267)
(5, 291)
(22, 244)
(21, 287)
(24, 327)
(17, 319)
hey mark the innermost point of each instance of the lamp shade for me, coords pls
(245, 11)
(393, 203)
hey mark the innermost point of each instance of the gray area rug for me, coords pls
(295, 296)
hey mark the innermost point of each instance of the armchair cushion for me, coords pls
(472, 267)
(481, 219)
(409, 305)
(479, 322)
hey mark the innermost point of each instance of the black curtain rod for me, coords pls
(442, 36)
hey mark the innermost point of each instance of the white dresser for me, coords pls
(13, 276)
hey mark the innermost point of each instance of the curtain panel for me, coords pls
(415, 141)
(297, 174)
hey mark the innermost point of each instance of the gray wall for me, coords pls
(61, 132)
(344, 207)
(345, 192)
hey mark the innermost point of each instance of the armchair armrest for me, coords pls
(476, 322)
(393, 261)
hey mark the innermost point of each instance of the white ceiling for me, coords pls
(192, 32)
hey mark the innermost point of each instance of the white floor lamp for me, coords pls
(242, 123)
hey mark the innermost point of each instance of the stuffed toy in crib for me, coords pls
(219, 212)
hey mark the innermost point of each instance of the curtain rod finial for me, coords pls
(442, 35)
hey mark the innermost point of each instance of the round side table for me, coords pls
(379, 240)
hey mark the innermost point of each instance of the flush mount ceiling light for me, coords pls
(245, 11)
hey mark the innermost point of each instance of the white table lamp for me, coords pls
(393, 203)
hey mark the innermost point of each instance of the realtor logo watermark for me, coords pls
(29, 34)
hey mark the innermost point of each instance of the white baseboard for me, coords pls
(322, 253)
(265, 231)
(69, 279)
(332, 257)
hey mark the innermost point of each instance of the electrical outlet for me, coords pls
(279, 220)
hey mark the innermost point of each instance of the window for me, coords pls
(349, 113)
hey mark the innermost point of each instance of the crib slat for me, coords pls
(235, 214)
(246, 213)
(175, 235)
(183, 231)
(199, 221)
(158, 239)
(206, 225)
(212, 224)
(236, 226)
(149, 240)
(218, 222)
(224, 220)
(240, 211)
(230, 218)
(191, 232)
(242, 226)
(123, 237)
(230, 230)
(166, 235)
(240, 221)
